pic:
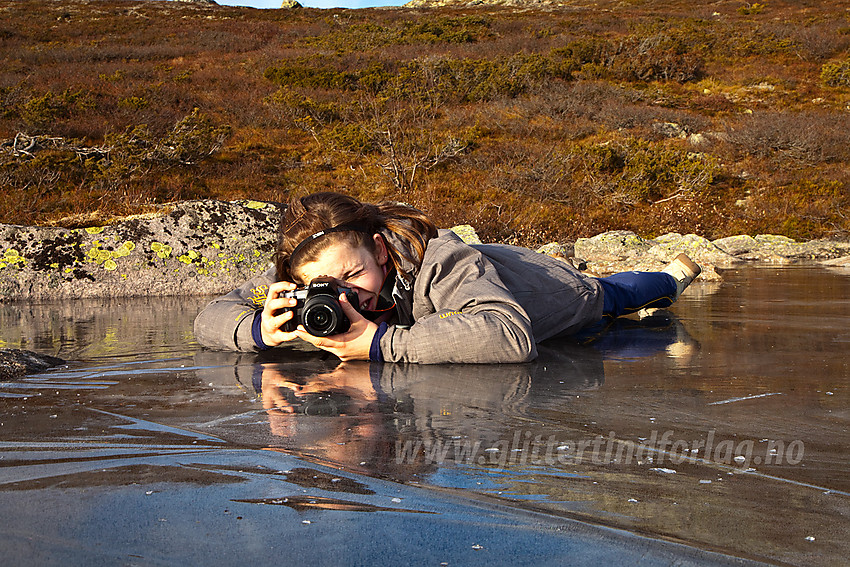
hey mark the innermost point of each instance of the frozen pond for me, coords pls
(716, 432)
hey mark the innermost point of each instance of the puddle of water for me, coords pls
(722, 424)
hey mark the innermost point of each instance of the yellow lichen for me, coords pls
(95, 229)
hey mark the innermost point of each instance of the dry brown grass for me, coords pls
(532, 125)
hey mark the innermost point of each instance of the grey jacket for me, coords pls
(483, 303)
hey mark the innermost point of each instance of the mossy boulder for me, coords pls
(15, 363)
(190, 248)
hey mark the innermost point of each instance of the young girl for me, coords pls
(424, 295)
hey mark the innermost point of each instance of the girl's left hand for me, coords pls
(353, 344)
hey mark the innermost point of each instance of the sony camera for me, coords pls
(318, 308)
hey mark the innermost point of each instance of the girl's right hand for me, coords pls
(277, 310)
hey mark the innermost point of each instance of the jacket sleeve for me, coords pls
(226, 322)
(462, 311)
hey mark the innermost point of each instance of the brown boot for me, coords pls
(684, 271)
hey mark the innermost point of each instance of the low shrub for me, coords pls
(298, 74)
(836, 73)
(807, 137)
(635, 171)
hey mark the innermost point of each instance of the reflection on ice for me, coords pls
(721, 423)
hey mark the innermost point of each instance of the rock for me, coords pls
(614, 247)
(15, 363)
(699, 249)
(780, 249)
(211, 247)
(290, 5)
(843, 262)
(670, 129)
(620, 251)
(698, 139)
(736, 245)
(557, 250)
(467, 233)
(191, 248)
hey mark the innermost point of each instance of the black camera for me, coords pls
(318, 308)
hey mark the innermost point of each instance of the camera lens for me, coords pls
(323, 316)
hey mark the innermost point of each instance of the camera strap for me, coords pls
(386, 302)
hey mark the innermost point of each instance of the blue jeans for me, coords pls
(628, 292)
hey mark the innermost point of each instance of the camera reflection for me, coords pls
(361, 415)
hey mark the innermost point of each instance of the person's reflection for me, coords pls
(659, 332)
(360, 414)
(345, 390)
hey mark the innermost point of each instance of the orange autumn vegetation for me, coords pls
(535, 125)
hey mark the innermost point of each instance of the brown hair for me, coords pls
(306, 216)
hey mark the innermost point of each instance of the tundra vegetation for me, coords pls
(531, 124)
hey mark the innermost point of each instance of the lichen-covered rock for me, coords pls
(770, 248)
(843, 262)
(699, 249)
(466, 233)
(556, 250)
(15, 363)
(191, 248)
(736, 245)
(613, 247)
(620, 251)
(211, 247)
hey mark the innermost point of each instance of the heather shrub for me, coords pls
(578, 53)
(123, 156)
(492, 116)
(751, 9)
(807, 137)
(473, 80)
(639, 171)
(298, 74)
(802, 208)
(836, 73)
(760, 41)
(356, 37)
(38, 112)
(626, 172)
(192, 139)
(302, 111)
(462, 29)
(656, 57)
(819, 41)
(350, 138)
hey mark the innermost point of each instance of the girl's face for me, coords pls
(356, 267)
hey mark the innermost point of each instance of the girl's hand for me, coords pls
(277, 311)
(353, 344)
